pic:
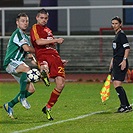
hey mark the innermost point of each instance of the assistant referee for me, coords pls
(119, 63)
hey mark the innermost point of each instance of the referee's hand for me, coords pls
(123, 64)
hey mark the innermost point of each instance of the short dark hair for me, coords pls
(21, 15)
(42, 11)
(117, 18)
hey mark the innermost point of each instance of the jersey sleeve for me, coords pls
(20, 40)
(124, 41)
(35, 33)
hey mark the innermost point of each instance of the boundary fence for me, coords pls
(67, 8)
(96, 41)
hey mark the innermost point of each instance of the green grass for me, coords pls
(77, 99)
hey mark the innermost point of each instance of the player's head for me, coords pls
(42, 17)
(117, 18)
(22, 21)
(116, 23)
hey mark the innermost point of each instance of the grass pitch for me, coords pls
(78, 110)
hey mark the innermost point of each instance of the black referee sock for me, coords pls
(122, 96)
(126, 99)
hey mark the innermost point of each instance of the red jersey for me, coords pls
(44, 32)
(46, 52)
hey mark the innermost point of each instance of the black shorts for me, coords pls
(117, 73)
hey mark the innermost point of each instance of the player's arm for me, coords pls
(36, 36)
(126, 46)
(123, 63)
(28, 48)
(126, 53)
(111, 64)
(42, 41)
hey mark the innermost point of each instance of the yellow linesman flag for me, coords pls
(105, 91)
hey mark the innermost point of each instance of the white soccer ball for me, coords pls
(33, 75)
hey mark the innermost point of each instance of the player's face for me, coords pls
(116, 25)
(23, 23)
(42, 19)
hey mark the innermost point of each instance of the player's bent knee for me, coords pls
(23, 68)
(31, 88)
(27, 69)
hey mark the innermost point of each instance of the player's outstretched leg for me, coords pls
(25, 103)
(9, 110)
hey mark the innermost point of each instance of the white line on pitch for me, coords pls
(58, 122)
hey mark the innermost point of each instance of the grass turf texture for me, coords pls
(77, 99)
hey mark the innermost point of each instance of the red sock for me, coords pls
(53, 98)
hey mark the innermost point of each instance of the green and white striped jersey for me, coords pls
(14, 48)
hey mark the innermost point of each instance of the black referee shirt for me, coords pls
(120, 43)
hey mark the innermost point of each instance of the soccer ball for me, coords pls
(33, 75)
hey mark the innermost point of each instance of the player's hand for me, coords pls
(32, 58)
(110, 70)
(29, 56)
(64, 62)
(123, 64)
(33, 62)
(60, 40)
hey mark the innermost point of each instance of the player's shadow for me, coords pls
(106, 112)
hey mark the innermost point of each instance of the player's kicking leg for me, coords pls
(45, 78)
(45, 73)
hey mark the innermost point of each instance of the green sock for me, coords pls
(23, 84)
(27, 94)
(14, 101)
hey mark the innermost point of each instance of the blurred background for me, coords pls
(84, 24)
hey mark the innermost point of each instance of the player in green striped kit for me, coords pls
(18, 48)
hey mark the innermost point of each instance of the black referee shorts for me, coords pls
(117, 73)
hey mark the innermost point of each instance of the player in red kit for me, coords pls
(48, 58)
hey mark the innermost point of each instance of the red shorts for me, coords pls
(56, 67)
